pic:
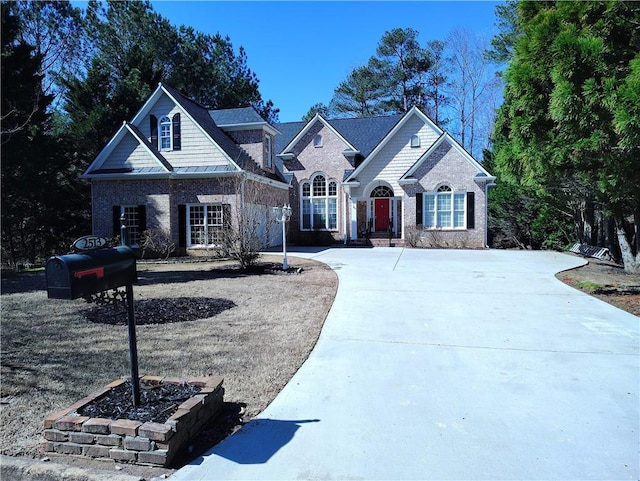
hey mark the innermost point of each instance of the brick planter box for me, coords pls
(123, 440)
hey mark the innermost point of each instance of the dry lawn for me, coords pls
(52, 356)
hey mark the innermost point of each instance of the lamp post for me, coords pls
(282, 215)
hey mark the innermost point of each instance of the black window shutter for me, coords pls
(142, 219)
(182, 226)
(154, 130)
(116, 220)
(471, 210)
(177, 142)
(419, 218)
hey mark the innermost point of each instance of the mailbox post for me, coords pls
(85, 273)
(131, 322)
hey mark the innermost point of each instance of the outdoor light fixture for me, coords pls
(282, 214)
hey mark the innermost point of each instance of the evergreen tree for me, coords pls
(561, 130)
(315, 109)
(37, 202)
(393, 81)
(360, 95)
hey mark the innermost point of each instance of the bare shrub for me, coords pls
(413, 236)
(157, 243)
(249, 223)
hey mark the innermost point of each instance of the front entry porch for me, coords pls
(378, 220)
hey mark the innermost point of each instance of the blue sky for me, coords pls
(301, 51)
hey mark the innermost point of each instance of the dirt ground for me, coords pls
(608, 282)
(54, 353)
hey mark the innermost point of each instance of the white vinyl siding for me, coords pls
(197, 149)
(129, 153)
(397, 156)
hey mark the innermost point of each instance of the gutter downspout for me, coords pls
(487, 186)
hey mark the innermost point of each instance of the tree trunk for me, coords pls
(629, 249)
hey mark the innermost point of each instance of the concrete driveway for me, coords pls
(450, 364)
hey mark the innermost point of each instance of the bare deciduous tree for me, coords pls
(473, 89)
(249, 223)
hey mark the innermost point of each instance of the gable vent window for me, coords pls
(317, 141)
(415, 141)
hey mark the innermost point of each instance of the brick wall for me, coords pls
(311, 160)
(447, 166)
(162, 198)
(124, 440)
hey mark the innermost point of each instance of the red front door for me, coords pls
(381, 207)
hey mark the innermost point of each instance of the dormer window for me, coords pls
(317, 141)
(415, 141)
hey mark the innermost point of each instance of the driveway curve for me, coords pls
(450, 364)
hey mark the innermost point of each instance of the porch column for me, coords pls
(354, 218)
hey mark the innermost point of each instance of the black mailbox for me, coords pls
(79, 275)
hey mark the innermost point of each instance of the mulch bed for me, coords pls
(158, 402)
(159, 311)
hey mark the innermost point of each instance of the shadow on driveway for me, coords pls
(267, 437)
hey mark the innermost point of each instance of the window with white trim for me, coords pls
(415, 141)
(444, 209)
(317, 141)
(165, 137)
(132, 221)
(319, 198)
(205, 224)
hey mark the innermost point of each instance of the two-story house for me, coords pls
(176, 166)
(186, 170)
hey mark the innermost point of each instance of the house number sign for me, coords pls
(89, 243)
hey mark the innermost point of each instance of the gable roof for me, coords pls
(483, 174)
(237, 157)
(318, 118)
(125, 129)
(414, 111)
(360, 134)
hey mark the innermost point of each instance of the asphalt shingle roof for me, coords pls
(244, 115)
(363, 133)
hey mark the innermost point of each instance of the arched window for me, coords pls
(382, 191)
(165, 137)
(319, 204)
(415, 141)
(444, 209)
(317, 141)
